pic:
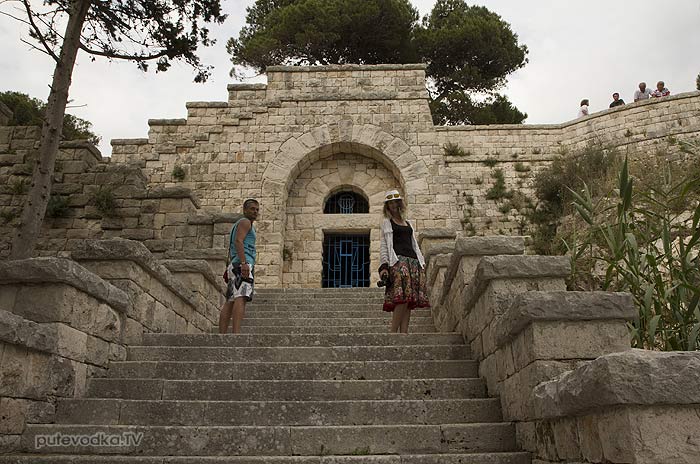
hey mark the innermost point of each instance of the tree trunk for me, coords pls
(28, 231)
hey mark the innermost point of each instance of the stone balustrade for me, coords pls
(561, 362)
(59, 325)
(197, 276)
(460, 270)
(161, 302)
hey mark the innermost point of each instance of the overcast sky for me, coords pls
(577, 50)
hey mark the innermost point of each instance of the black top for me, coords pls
(617, 102)
(403, 240)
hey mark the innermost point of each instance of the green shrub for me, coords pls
(498, 191)
(478, 181)
(179, 173)
(490, 162)
(57, 207)
(452, 149)
(649, 250)
(105, 202)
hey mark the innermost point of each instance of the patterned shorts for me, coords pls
(237, 287)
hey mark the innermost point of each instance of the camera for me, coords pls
(384, 282)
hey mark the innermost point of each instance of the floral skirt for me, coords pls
(407, 285)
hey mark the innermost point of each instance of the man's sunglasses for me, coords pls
(393, 196)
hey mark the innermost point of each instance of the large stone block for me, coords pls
(562, 340)
(605, 383)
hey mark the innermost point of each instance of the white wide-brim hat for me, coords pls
(392, 195)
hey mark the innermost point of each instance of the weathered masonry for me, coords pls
(317, 138)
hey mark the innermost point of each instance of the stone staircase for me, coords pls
(313, 379)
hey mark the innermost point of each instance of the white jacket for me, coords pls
(386, 245)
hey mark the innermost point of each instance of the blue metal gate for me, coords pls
(345, 260)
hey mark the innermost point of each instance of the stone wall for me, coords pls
(105, 200)
(274, 141)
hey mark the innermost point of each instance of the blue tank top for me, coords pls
(248, 245)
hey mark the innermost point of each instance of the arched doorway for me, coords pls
(332, 217)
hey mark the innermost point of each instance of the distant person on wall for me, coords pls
(643, 93)
(661, 90)
(617, 101)
(402, 267)
(583, 109)
(242, 254)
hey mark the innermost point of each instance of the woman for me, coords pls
(402, 265)
(583, 109)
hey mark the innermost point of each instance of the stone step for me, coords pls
(321, 300)
(322, 353)
(321, 290)
(275, 413)
(377, 328)
(285, 390)
(375, 308)
(361, 458)
(292, 321)
(278, 441)
(301, 340)
(317, 295)
(342, 370)
(310, 313)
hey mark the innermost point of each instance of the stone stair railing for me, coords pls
(561, 362)
(61, 324)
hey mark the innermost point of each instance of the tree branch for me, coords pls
(37, 31)
(124, 57)
(31, 45)
(16, 18)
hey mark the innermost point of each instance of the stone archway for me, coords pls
(298, 154)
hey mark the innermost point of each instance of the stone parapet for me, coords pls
(447, 296)
(497, 280)
(429, 237)
(636, 406)
(47, 271)
(543, 334)
(59, 325)
(198, 276)
(161, 302)
(566, 376)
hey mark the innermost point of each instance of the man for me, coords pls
(661, 90)
(643, 93)
(617, 101)
(242, 254)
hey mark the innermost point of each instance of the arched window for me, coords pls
(346, 202)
